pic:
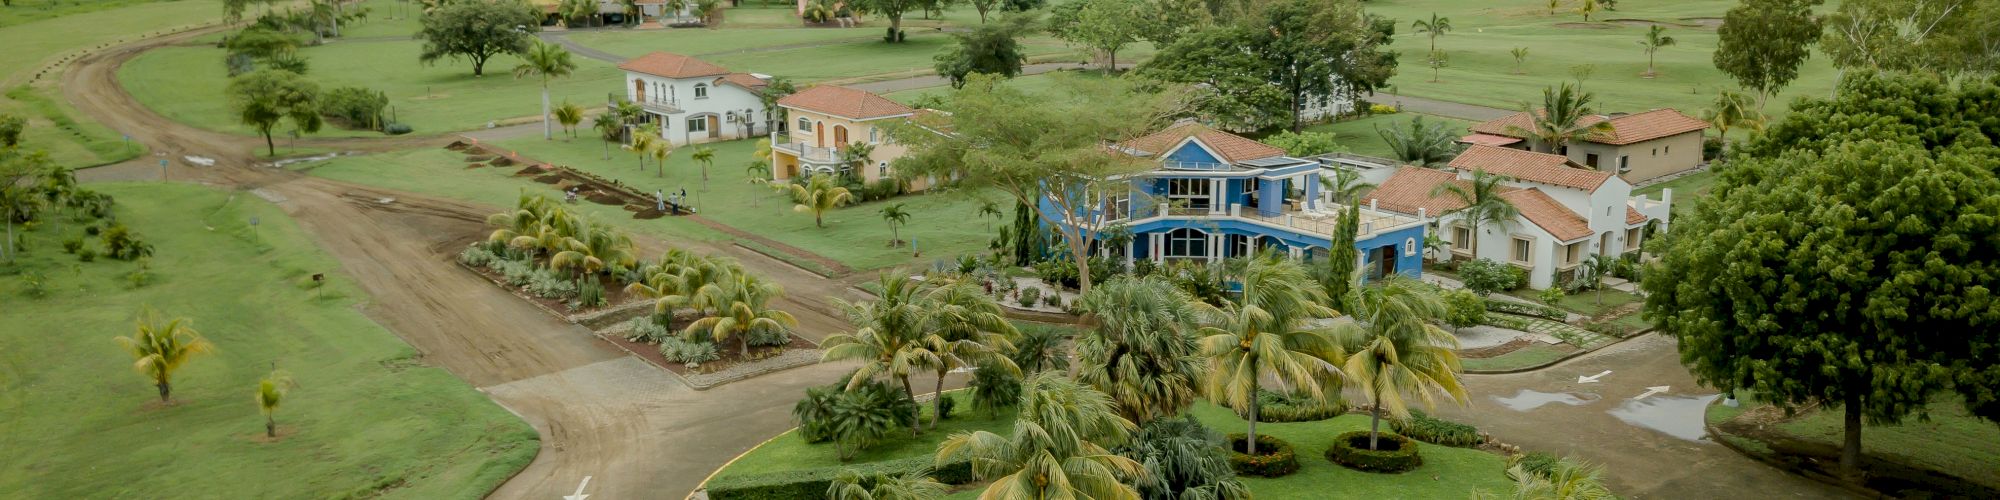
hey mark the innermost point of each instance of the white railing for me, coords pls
(807, 152)
(662, 104)
(1193, 165)
(1321, 223)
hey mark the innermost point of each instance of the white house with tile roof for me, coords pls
(694, 101)
(1638, 147)
(1567, 212)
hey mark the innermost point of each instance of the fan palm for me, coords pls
(1040, 349)
(160, 348)
(741, 307)
(818, 196)
(546, 61)
(1482, 203)
(1656, 37)
(1732, 109)
(1396, 349)
(1142, 352)
(1184, 460)
(270, 393)
(965, 329)
(569, 115)
(1560, 120)
(1435, 27)
(1265, 336)
(895, 216)
(1421, 144)
(1059, 447)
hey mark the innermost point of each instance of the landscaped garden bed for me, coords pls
(729, 365)
(1390, 453)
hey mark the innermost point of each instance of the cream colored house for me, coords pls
(828, 120)
(1639, 146)
(1567, 212)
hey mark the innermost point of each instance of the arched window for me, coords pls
(1186, 242)
(805, 125)
(701, 91)
(874, 135)
(1409, 246)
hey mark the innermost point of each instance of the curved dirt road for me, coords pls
(637, 431)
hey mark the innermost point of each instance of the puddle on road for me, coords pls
(1532, 399)
(1677, 416)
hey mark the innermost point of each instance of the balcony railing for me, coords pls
(1321, 223)
(660, 104)
(1194, 165)
(809, 153)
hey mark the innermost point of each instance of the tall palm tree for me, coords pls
(1435, 27)
(546, 61)
(964, 328)
(160, 348)
(1266, 336)
(270, 393)
(1656, 37)
(1142, 352)
(706, 157)
(1060, 446)
(1732, 109)
(569, 115)
(1520, 57)
(1420, 143)
(642, 143)
(608, 127)
(1560, 120)
(895, 216)
(1483, 205)
(819, 196)
(1396, 349)
(990, 208)
(1553, 5)
(660, 150)
(886, 342)
(741, 306)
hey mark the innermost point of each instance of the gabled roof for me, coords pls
(1488, 139)
(844, 102)
(1529, 166)
(671, 65)
(1625, 129)
(1546, 212)
(1410, 188)
(745, 80)
(1233, 148)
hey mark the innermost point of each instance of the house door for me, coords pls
(714, 126)
(839, 136)
(1383, 262)
(639, 89)
(819, 136)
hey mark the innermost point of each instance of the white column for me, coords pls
(1128, 253)
(1157, 247)
(1215, 243)
(1217, 196)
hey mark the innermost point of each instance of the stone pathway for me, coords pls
(1579, 337)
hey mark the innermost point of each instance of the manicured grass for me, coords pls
(1481, 69)
(1360, 136)
(1951, 441)
(853, 60)
(187, 83)
(27, 11)
(54, 127)
(791, 451)
(1534, 355)
(944, 224)
(707, 42)
(1585, 303)
(368, 418)
(1034, 84)
(1447, 472)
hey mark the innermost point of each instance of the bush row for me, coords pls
(1274, 456)
(1275, 406)
(1422, 427)
(813, 483)
(1535, 310)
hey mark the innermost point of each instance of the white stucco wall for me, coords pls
(722, 99)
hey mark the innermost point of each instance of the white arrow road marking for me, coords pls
(579, 490)
(1651, 391)
(1591, 379)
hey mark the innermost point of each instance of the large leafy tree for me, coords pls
(1274, 59)
(1267, 337)
(1939, 37)
(267, 97)
(1763, 43)
(477, 30)
(894, 10)
(1060, 447)
(1396, 351)
(1103, 25)
(1030, 144)
(1847, 257)
(993, 49)
(161, 347)
(1142, 352)
(545, 61)
(18, 199)
(1229, 86)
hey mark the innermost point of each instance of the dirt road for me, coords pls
(634, 429)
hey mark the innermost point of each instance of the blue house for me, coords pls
(1217, 195)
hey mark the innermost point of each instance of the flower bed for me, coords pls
(1393, 453)
(1274, 456)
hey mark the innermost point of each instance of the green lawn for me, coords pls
(38, 32)
(1952, 441)
(1688, 192)
(1041, 83)
(187, 83)
(1481, 69)
(1585, 303)
(1534, 355)
(944, 225)
(368, 417)
(1447, 472)
(1360, 136)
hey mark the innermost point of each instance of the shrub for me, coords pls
(1422, 427)
(1552, 296)
(813, 413)
(143, 275)
(1274, 456)
(92, 230)
(1505, 321)
(1058, 272)
(353, 107)
(1102, 269)
(946, 406)
(766, 337)
(812, 483)
(1030, 295)
(1394, 454)
(122, 244)
(591, 294)
(516, 273)
(38, 285)
(475, 256)
(1144, 267)
(1538, 463)
(1533, 310)
(691, 353)
(86, 254)
(396, 129)
(546, 284)
(1463, 308)
(1382, 109)
(1053, 300)
(1485, 276)
(1273, 406)
(1711, 147)
(646, 330)
(72, 245)
(1184, 459)
(993, 390)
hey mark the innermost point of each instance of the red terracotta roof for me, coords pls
(1410, 188)
(844, 102)
(1233, 148)
(670, 65)
(1625, 129)
(1633, 217)
(1550, 215)
(1489, 139)
(751, 83)
(1529, 166)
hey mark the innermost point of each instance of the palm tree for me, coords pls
(1586, 7)
(1566, 480)
(1142, 352)
(1060, 446)
(1435, 27)
(1596, 268)
(886, 342)
(895, 216)
(1041, 349)
(160, 348)
(546, 61)
(965, 329)
(1520, 57)
(1560, 120)
(643, 142)
(1553, 5)
(1482, 202)
(706, 157)
(270, 393)
(1266, 337)
(848, 485)
(1732, 109)
(1656, 37)
(569, 115)
(741, 307)
(577, 9)
(1420, 143)
(857, 155)
(594, 249)
(1397, 349)
(660, 150)
(608, 128)
(990, 208)
(819, 196)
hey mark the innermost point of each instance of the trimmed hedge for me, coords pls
(813, 483)
(1399, 454)
(1535, 310)
(1274, 456)
(1422, 427)
(1274, 407)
